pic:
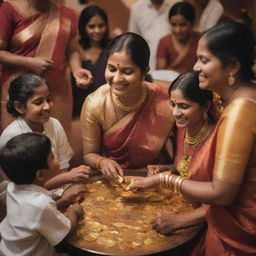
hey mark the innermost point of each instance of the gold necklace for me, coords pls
(197, 138)
(120, 105)
(183, 164)
(191, 142)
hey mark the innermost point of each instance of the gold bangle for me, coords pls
(99, 161)
(159, 180)
(175, 184)
(179, 185)
(170, 185)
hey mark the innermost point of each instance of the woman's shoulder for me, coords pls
(98, 97)
(241, 111)
(166, 39)
(68, 11)
(156, 88)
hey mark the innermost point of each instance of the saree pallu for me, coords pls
(41, 35)
(232, 229)
(138, 138)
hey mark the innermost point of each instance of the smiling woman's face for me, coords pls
(122, 75)
(187, 113)
(213, 75)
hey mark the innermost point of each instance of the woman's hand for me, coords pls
(166, 223)
(155, 169)
(40, 65)
(110, 168)
(83, 77)
(143, 182)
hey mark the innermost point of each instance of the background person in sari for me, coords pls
(177, 51)
(93, 30)
(125, 123)
(224, 66)
(37, 36)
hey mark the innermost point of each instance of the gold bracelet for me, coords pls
(179, 185)
(170, 185)
(159, 180)
(99, 161)
(175, 184)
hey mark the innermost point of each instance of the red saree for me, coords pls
(232, 229)
(134, 141)
(140, 141)
(42, 35)
(201, 164)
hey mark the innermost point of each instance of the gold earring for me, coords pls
(231, 79)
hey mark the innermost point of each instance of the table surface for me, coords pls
(163, 244)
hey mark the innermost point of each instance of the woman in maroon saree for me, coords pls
(126, 122)
(38, 36)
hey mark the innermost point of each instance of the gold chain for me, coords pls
(132, 107)
(196, 139)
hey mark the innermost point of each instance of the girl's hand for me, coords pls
(78, 174)
(143, 182)
(110, 168)
(83, 77)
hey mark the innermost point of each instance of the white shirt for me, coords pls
(52, 129)
(151, 24)
(210, 16)
(33, 225)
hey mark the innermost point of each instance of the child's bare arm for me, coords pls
(78, 174)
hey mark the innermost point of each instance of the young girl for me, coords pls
(30, 102)
(93, 31)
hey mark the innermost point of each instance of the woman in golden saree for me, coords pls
(38, 36)
(225, 66)
(126, 122)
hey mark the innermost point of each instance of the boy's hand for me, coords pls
(75, 210)
(78, 174)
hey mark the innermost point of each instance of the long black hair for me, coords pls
(134, 46)
(84, 18)
(232, 41)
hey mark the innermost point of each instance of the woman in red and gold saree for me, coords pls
(177, 51)
(195, 114)
(37, 36)
(224, 66)
(126, 122)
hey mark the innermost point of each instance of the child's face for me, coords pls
(53, 167)
(38, 108)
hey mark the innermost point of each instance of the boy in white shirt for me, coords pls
(33, 224)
